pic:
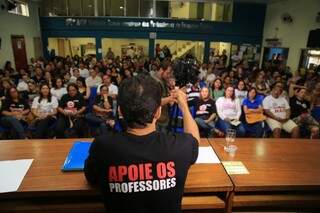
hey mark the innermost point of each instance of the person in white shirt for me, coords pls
(210, 77)
(241, 91)
(130, 52)
(229, 112)
(113, 89)
(277, 110)
(203, 72)
(23, 84)
(84, 72)
(58, 90)
(93, 80)
(44, 108)
(75, 75)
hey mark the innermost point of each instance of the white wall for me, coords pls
(180, 11)
(295, 35)
(11, 24)
(75, 45)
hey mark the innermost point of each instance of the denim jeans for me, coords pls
(98, 121)
(207, 127)
(42, 127)
(224, 125)
(63, 124)
(15, 125)
(256, 129)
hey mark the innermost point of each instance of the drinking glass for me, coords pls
(230, 139)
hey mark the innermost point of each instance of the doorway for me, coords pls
(19, 52)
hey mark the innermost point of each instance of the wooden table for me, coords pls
(45, 181)
(283, 172)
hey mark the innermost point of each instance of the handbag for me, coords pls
(255, 117)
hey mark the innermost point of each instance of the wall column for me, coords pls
(206, 51)
(98, 47)
(151, 48)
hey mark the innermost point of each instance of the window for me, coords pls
(20, 9)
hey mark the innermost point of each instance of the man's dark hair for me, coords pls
(139, 98)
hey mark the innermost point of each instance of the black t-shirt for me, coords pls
(72, 103)
(11, 106)
(298, 107)
(204, 109)
(141, 173)
(99, 101)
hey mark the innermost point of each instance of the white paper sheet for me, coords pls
(207, 155)
(12, 173)
(235, 167)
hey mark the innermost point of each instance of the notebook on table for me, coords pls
(77, 156)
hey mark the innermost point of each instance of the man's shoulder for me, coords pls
(107, 138)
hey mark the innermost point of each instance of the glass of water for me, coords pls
(230, 139)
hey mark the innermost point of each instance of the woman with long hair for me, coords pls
(217, 89)
(58, 89)
(241, 91)
(44, 109)
(14, 113)
(229, 112)
(253, 110)
(84, 90)
(71, 113)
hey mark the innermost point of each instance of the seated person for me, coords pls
(14, 113)
(142, 169)
(252, 107)
(84, 90)
(261, 85)
(71, 112)
(5, 85)
(102, 111)
(241, 91)
(206, 114)
(193, 92)
(217, 89)
(300, 113)
(229, 112)
(32, 91)
(58, 89)
(113, 89)
(277, 110)
(94, 80)
(23, 86)
(44, 109)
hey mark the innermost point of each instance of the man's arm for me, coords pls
(212, 117)
(189, 124)
(166, 100)
(270, 114)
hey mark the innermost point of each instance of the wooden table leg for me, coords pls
(229, 202)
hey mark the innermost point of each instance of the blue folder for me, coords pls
(76, 157)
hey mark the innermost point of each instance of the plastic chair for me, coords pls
(316, 113)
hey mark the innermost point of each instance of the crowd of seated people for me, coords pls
(64, 97)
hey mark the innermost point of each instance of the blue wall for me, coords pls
(246, 27)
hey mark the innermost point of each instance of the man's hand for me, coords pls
(181, 99)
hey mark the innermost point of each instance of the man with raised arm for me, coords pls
(143, 170)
